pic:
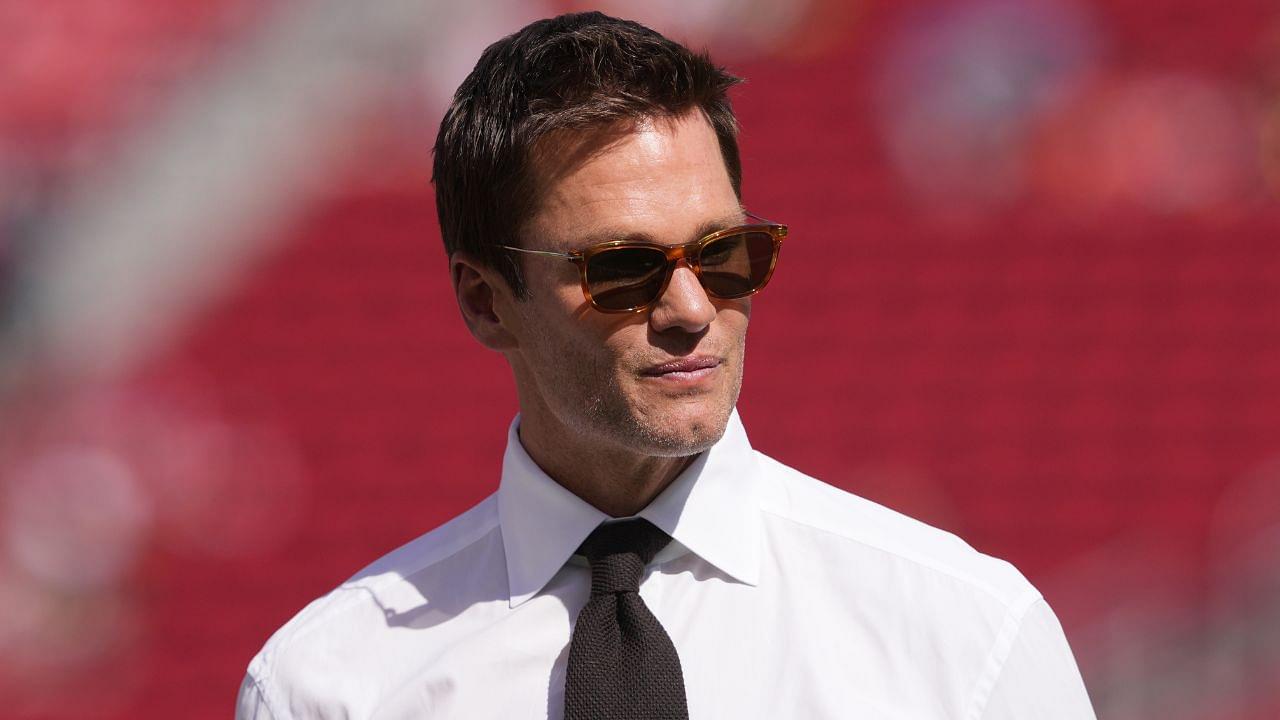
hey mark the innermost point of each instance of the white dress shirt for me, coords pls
(785, 598)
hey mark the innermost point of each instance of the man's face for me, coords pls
(609, 378)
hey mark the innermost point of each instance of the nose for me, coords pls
(684, 304)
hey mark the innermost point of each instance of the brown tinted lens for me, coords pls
(624, 278)
(737, 265)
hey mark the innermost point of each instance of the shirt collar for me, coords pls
(711, 508)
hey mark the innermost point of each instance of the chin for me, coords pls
(681, 431)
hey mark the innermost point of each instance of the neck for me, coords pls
(614, 481)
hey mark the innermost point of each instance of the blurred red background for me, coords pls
(1031, 295)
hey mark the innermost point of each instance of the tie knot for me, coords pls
(618, 553)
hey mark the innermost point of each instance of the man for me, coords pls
(639, 559)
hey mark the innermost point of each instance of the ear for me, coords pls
(482, 293)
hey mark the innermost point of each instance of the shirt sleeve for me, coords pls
(1039, 678)
(250, 703)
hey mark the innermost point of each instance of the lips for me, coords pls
(683, 366)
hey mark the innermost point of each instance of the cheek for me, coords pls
(577, 346)
(740, 308)
(733, 316)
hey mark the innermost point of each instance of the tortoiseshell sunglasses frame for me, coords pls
(691, 252)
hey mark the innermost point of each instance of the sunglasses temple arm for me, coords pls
(754, 216)
(549, 253)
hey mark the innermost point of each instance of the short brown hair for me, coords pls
(579, 71)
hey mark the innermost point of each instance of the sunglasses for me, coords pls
(625, 276)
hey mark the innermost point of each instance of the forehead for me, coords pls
(661, 177)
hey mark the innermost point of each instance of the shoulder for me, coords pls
(431, 549)
(871, 577)
(309, 657)
(874, 534)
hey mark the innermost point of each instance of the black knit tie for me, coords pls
(622, 665)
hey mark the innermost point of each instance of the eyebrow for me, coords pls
(608, 234)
